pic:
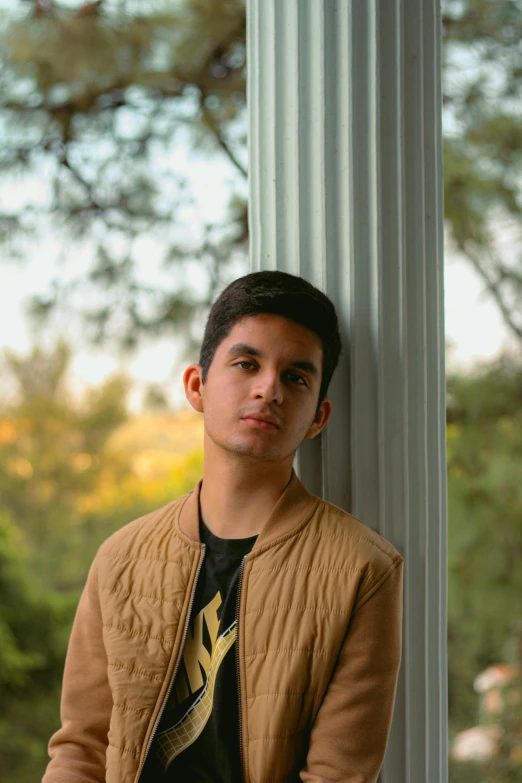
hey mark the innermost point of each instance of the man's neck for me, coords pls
(237, 496)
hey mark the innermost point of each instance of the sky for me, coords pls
(475, 330)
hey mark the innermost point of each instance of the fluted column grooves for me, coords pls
(346, 190)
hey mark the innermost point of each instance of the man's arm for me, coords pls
(350, 733)
(77, 749)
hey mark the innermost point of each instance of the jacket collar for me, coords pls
(295, 505)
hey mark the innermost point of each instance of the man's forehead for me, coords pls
(264, 323)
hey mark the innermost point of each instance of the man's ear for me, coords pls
(193, 383)
(321, 417)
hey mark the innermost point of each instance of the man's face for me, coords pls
(268, 366)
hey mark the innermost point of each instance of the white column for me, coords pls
(346, 190)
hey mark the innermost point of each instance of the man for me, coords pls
(248, 631)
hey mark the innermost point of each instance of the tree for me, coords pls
(100, 93)
(70, 475)
(95, 98)
(32, 648)
(484, 549)
(52, 455)
(482, 99)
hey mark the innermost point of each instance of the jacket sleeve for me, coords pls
(77, 749)
(349, 737)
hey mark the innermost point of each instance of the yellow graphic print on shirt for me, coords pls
(175, 739)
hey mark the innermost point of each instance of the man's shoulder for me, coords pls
(353, 538)
(135, 535)
(349, 545)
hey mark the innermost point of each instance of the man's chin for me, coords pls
(257, 453)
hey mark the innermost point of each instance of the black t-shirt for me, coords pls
(197, 739)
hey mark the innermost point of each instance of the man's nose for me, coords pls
(269, 387)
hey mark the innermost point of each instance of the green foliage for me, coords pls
(51, 450)
(484, 436)
(466, 772)
(485, 535)
(15, 662)
(33, 627)
(50, 457)
(507, 767)
(65, 485)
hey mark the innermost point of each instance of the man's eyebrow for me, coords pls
(240, 348)
(244, 349)
(306, 367)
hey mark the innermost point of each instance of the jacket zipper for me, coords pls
(176, 667)
(240, 581)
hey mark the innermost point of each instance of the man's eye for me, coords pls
(298, 378)
(293, 376)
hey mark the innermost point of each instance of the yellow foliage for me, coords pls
(81, 462)
(151, 487)
(43, 491)
(166, 433)
(452, 431)
(7, 431)
(165, 455)
(25, 425)
(17, 466)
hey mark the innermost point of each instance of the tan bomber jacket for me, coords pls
(319, 645)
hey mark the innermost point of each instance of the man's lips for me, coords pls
(262, 424)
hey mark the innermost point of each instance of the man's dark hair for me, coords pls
(275, 293)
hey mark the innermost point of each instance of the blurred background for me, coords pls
(123, 211)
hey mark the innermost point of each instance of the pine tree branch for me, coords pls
(493, 286)
(213, 127)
